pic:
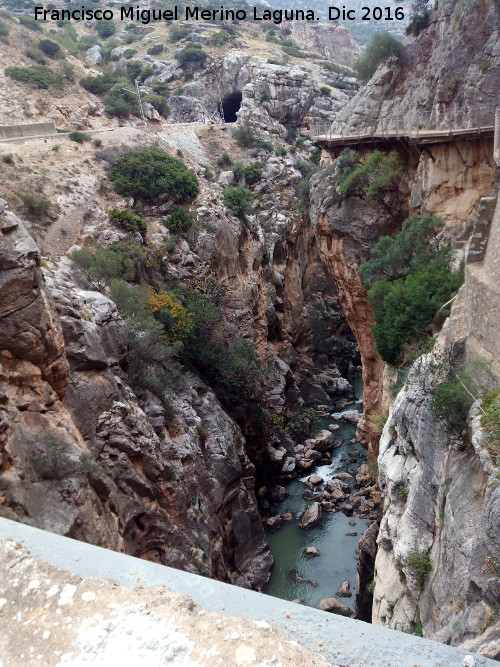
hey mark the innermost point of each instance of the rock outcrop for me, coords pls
(83, 457)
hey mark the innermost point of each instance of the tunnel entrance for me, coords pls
(231, 105)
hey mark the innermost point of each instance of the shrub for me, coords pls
(372, 177)
(253, 173)
(224, 161)
(147, 173)
(105, 29)
(97, 143)
(419, 20)
(280, 151)
(420, 564)
(8, 158)
(238, 200)
(127, 220)
(54, 462)
(292, 133)
(158, 101)
(381, 47)
(99, 84)
(4, 29)
(325, 90)
(304, 424)
(179, 221)
(78, 137)
(451, 402)
(405, 306)
(177, 321)
(35, 206)
(238, 172)
(30, 23)
(490, 419)
(120, 102)
(155, 49)
(247, 137)
(405, 252)
(35, 75)
(177, 33)
(191, 56)
(120, 260)
(50, 48)
(401, 489)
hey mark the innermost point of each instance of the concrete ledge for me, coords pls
(26, 130)
(338, 639)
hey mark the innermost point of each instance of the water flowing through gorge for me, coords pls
(337, 560)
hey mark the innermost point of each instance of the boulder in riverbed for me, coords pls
(335, 606)
(344, 590)
(351, 416)
(273, 523)
(311, 517)
(315, 479)
(321, 441)
(311, 552)
(347, 509)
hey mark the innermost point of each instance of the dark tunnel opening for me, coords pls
(231, 105)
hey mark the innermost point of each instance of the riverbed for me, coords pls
(337, 560)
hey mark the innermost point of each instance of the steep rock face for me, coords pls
(330, 40)
(117, 474)
(449, 72)
(447, 517)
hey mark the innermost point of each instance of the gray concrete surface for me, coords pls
(339, 640)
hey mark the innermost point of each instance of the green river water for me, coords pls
(337, 561)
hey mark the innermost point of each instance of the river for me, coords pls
(337, 561)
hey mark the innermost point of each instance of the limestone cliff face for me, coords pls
(441, 498)
(331, 40)
(448, 72)
(117, 475)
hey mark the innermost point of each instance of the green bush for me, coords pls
(51, 49)
(35, 75)
(224, 161)
(381, 47)
(35, 206)
(30, 23)
(490, 420)
(158, 101)
(238, 172)
(120, 102)
(191, 56)
(120, 260)
(105, 29)
(179, 221)
(155, 49)
(420, 20)
(54, 462)
(238, 200)
(127, 220)
(451, 402)
(99, 84)
(420, 564)
(372, 177)
(325, 90)
(403, 307)
(178, 32)
(4, 29)
(78, 137)
(405, 252)
(253, 173)
(147, 173)
(304, 424)
(247, 137)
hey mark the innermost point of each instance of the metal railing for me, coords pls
(413, 124)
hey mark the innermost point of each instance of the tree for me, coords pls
(238, 200)
(372, 177)
(191, 56)
(420, 17)
(381, 47)
(147, 173)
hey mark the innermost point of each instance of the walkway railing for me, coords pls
(453, 120)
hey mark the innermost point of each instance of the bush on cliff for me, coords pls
(147, 173)
(37, 76)
(372, 177)
(238, 200)
(409, 279)
(381, 47)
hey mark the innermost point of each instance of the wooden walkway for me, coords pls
(422, 136)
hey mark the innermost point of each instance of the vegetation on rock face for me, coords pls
(420, 17)
(179, 221)
(35, 205)
(37, 76)
(420, 564)
(147, 173)
(55, 463)
(304, 424)
(238, 200)
(253, 173)
(451, 402)
(128, 221)
(248, 137)
(490, 420)
(371, 177)
(381, 47)
(191, 56)
(409, 277)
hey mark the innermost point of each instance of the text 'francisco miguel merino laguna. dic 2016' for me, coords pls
(194, 13)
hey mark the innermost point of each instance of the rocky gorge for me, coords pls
(195, 484)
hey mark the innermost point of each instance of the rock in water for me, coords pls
(315, 479)
(273, 523)
(351, 416)
(311, 552)
(335, 606)
(311, 517)
(344, 590)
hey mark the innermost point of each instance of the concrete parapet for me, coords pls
(26, 130)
